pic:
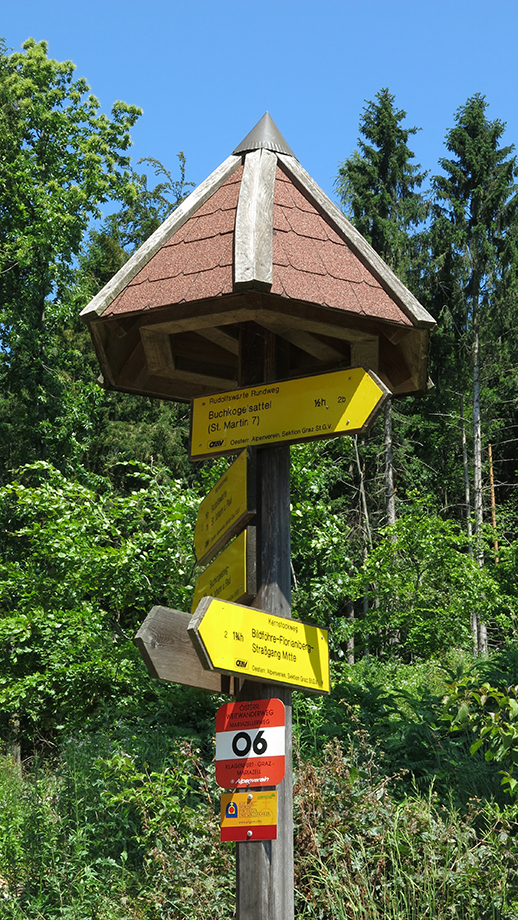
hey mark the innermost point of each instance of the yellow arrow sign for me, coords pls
(227, 508)
(234, 639)
(232, 575)
(305, 409)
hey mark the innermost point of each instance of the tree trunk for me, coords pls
(465, 466)
(363, 496)
(493, 501)
(365, 511)
(482, 643)
(390, 496)
(349, 612)
(469, 524)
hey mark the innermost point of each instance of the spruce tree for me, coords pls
(379, 185)
(379, 188)
(473, 234)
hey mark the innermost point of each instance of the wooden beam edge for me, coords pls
(405, 299)
(99, 304)
(253, 235)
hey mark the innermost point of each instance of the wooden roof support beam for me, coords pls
(158, 351)
(218, 337)
(366, 354)
(253, 236)
(303, 340)
(300, 317)
(208, 380)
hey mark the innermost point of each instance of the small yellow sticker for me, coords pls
(249, 815)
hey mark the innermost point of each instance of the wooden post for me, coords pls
(264, 869)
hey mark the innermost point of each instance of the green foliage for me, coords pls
(423, 583)
(79, 570)
(61, 160)
(363, 854)
(488, 711)
(105, 834)
(393, 713)
(141, 217)
(321, 535)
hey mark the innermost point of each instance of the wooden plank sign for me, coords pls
(226, 510)
(232, 575)
(249, 815)
(239, 640)
(168, 653)
(304, 409)
(250, 743)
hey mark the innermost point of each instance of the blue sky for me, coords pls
(205, 72)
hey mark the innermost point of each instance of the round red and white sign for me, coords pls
(250, 744)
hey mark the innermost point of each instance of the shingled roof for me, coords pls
(257, 241)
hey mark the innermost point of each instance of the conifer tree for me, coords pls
(475, 257)
(379, 187)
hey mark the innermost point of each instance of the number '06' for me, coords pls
(242, 743)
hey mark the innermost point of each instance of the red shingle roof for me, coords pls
(311, 262)
(257, 241)
(194, 264)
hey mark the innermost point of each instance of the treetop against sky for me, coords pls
(205, 73)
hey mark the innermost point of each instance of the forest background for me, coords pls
(405, 795)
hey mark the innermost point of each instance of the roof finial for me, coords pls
(265, 134)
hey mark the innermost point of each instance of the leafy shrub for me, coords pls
(364, 854)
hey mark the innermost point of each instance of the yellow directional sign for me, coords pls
(227, 508)
(304, 409)
(234, 639)
(232, 575)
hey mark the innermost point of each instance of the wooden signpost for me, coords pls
(260, 644)
(284, 335)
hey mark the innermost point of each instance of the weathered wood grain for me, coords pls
(253, 235)
(264, 869)
(221, 338)
(304, 340)
(158, 351)
(169, 654)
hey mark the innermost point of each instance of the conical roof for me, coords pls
(257, 241)
(265, 135)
